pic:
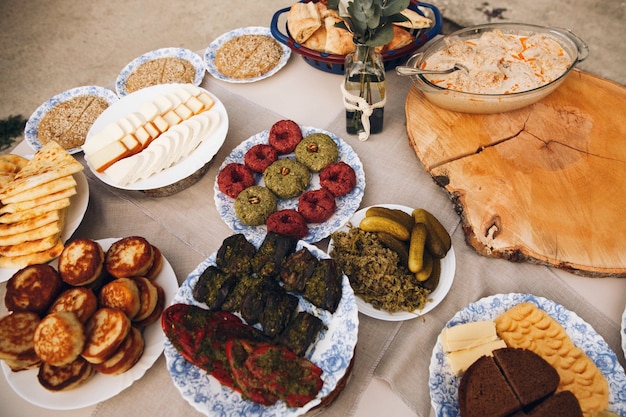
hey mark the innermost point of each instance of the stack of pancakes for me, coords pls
(87, 317)
(34, 199)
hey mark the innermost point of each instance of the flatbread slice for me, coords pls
(33, 258)
(37, 201)
(30, 247)
(29, 224)
(34, 212)
(43, 190)
(50, 163)
(46, 230)
(303, 20)
(17, 160)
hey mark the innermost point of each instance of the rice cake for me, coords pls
(161, 71)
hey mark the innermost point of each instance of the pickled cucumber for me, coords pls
(416, 247)
(384, 224)
(395, 245)
(432, 281)
(438, 241)
(405, 219)
(427, 267)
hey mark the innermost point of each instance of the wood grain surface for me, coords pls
(545, 184)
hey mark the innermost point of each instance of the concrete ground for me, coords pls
(47, 47)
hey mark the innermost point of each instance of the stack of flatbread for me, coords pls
(33, 204)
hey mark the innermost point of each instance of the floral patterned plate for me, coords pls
(209, 54)
(32, 125)
(347, 205)
(444, 385)
(333, 352)
(182, 53)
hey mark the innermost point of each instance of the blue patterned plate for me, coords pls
(347, 205)
(182, 53)
(32, 125)
(444, 385)
(333, 352)
(209, 54)
(624, 332)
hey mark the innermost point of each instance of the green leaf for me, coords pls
(392, 7)
(382, 37)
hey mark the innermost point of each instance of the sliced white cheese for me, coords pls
(121, 172)
(460, 360)
(110, 133)
(126, 125)
(158, 154)
(192, 89)
(468, 335)
(176, 100)
(183, 94)
(136, 119)
(163, 104)
(149, 110)
(107, 156)
(147, 159)
(181, 134)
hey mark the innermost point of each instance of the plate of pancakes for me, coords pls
(100, 386)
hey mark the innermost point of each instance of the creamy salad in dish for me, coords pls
(499, 63)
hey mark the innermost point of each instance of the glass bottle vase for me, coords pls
(364, 91)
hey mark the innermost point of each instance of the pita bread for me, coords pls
(338, 41)
(17, 160)
(34, 212)
(46, 230)
(29, 224)
(303, 20)
(416, 20)
(401, 38)
(33, 258)
(5, 179)
(50, 163)
(47, 191)
(30, 247)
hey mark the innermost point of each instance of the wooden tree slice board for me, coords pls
(545, 184)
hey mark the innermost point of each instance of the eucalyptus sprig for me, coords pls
(370, 21)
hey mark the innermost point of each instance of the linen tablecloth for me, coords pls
(187, 228)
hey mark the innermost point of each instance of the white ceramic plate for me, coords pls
(209, 54)
(346, 205)
(75, 214)
(332, 352)
(183, 168)
(100, 387)
(448, 268)
(444, 385)
(182, 53)
(32, 125)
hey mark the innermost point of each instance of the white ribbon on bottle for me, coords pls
(356, 103)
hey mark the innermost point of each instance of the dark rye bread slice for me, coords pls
(484, 392)
(528, 374)
(562, 404)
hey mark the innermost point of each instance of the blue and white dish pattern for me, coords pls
(32, 125)
(182, 53)
(333, 351)
(347, 205)
(444, 385)
(624, 332)
(209, 54)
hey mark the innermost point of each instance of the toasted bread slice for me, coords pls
(33, 288)
(80, 300)
(131, 256)
(123, 294)
(17, 331)
(126, 355)
(81, 262)
(158, 309)
(106, 330)
(148, 296)
(59, 338)
(64, 378)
